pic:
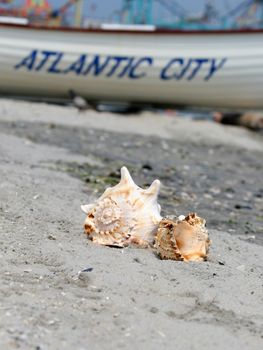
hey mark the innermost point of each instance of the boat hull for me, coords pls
(180, 68)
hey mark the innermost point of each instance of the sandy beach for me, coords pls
(53, 159)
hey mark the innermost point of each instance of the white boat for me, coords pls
(212, 68)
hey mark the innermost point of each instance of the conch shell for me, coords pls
(124, 214)
(184, 238)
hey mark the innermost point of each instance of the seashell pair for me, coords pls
(184, 238)
(127, 214)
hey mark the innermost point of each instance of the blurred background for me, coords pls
(164, 13)
(220, 70)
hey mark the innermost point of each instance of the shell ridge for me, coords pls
(125, 214)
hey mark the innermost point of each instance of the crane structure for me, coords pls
(137, 12)
(246, 13)
(142, 11)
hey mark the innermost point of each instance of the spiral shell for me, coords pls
(184, 238)
(124, 214)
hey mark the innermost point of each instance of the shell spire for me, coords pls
(126, 178)
(124, 214)
(153, 191)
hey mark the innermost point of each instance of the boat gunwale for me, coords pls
(157, 31)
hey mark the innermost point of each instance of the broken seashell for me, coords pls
(183, 239)
(124, 214)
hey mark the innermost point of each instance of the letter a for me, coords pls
(28, 61)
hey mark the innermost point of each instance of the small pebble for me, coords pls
(147, 166)
(241, 268)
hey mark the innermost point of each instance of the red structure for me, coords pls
(30, 8)
(37, 11)
(36, 7)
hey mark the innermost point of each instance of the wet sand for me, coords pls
(53, 159)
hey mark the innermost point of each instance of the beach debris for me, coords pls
(251, 120)
(78, 101)
(83, 274)
(182, 238)
(51, 237)
(88, 269)
(124, 214)
(147, 167)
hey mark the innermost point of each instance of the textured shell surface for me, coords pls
(124, 214)
(184, 238)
